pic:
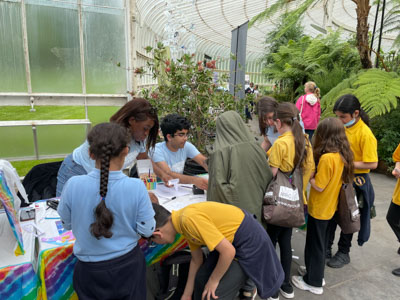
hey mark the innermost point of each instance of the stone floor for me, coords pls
(368, 276)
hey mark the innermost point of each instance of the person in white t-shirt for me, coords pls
(170, 155)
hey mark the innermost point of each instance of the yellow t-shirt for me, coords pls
(363, 144)
(396, 193)
(207, 223)
(281, 156)
(322, 205)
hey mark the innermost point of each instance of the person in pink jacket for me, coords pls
(310, 107)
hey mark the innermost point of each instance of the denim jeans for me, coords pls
(68, 169)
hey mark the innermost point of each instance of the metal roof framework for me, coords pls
(213, 21)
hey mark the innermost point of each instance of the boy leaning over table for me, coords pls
(239, 248)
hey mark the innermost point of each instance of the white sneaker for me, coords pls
(302, 285)
(301, 270)
(271, 298)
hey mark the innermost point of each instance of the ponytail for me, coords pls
(317, 93)
(348, 104)
(312, 88)
(103, 216)
(288, 114)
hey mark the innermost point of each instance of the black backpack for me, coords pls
(173, 275)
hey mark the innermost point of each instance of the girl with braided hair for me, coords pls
(108, 212)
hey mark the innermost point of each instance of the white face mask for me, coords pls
(349, 123)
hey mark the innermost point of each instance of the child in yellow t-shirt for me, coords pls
(239, 247)
(334, 161)
(393, 214)
(363, 144)
(289, 149)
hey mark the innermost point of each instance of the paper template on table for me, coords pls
(172, 192)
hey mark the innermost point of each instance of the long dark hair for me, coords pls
(106, 140)
(265, 105)
(348, 104)
(330, 137)
(141, 110)
(289, 115)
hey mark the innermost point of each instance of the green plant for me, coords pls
(387, 131)
(189, 88)
(377, 90)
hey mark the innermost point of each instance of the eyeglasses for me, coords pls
(182, 134)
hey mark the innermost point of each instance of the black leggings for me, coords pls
(393, 218)
(282, 236)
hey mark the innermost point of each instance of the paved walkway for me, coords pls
(368, 276)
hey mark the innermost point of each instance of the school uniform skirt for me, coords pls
(257, 256)
(123, 277)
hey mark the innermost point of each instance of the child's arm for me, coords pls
(195, 263)
(274, 171)
(365, 165)
(226, 255)
(396, 170)
(312, 182)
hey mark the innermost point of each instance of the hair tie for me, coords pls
(294, 118)
(315, 87)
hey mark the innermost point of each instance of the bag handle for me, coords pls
(298, 163)
(302, 103)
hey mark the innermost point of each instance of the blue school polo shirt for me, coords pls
(129, 202)
(175, 160)
(81, 155)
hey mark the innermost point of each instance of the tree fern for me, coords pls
(378, 91)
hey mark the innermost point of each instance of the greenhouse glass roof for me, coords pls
(210, 22)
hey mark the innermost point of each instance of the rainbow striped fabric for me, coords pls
(57, 266)
(7, 200)
(155, 253)
(18, 282)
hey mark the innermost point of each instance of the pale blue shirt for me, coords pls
(127, 199)
(175, 160)
(81, 155)
(272, 136)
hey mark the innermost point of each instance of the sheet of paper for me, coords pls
(181, 202)
(143, 166)
(172, 192)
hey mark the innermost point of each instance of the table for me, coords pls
(18, 278)
(56, 262)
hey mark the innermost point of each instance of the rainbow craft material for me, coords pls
(155, 253)
(149, 180)
(64, 238)
(19, 282)
(56, 268)
(7, 200)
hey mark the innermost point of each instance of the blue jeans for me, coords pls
(68, 169)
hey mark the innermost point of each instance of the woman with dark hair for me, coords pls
(108, 212)
(363, 144)
(266, 109)
(141, 120)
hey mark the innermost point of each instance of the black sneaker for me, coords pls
(328, 254)
(339, 260)
(287, 290)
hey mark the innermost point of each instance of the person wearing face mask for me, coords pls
(363, 144)
(142, 122)
(266, 109)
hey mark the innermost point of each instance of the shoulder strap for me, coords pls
(298, 163)
(302, 103)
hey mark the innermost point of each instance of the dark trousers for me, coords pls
(282, 236)
(122, 278)
(393, 218)
(314, 253)
(344, 243)
(310, 133)
(230, 283)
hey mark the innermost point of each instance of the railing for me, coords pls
(34, 123)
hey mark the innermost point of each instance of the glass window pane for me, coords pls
(50, 141)
(109, 3)
(16, 142)
(12, 63)
(105, 50)
(53, 42)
